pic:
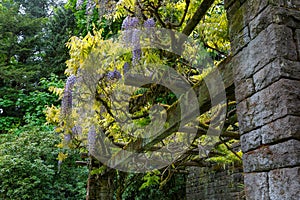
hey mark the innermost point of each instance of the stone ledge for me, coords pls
(275, 70)
(284, 128)
(272, 72)
(281, 129)
(285, 154)
(276, 101)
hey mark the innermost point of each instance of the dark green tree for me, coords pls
(20, 57)
(33, 38)
(59, 28)
(29, 168)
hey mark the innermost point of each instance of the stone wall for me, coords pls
(265, 40)
(208, 184)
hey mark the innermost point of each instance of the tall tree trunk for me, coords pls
(100, 186)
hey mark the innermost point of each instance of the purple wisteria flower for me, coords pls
(67, 138)
(114, 75)
(130, 23)
(79, 4)
(132, 36)
(66, 104)
(92, 138)
(134, 22)
(126, 68)
(90, 7)
(126, 22)
(76, 130)
(149, 23)
(136, 52)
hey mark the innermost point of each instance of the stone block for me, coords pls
(284, 184)
(277, 2)
(256, 186)
(251, 140)
(274, 42)
(274, 14)
(231, 6)
(237, 20)
(285, 154)
(240, 13)
(297, 39)
(240, 40)
(283, 128)
(254, 7)
(244, 89)
(276, 101)
(279, 68)
(228, 3)
(293, 3)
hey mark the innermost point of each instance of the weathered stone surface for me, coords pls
(241, 39)
(265, 37)
(284, 184)
(297, 38)
(240, 14)
(274, 42)
(274, 102)
(244, 89)
(279, 68)
(203, 183)
(236, 17)
(277, 2)
(228, 3)
(274, 14)
(284, 128)
(251, 140)
(285, 154)
(256, 186)
(293, 3)
(254, 7)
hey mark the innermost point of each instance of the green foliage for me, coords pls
(91, 40)
(32, 105)
(174, 188)
(59, 28)
(87, 23)
(22, 50)
(29, 169)
(151, 179)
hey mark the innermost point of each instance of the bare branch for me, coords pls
(200, 12)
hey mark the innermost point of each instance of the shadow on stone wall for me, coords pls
(218, 184)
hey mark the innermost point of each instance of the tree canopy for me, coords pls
(147, 91)
(101, 115)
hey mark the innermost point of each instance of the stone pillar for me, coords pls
(265, 39)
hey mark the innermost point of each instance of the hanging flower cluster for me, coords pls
(132, 35)
(66, 105)
(92, 135)
(149, 23)
(114, 75)
(126, 68)
(90, 7)
(79, 4)
(76, 130)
